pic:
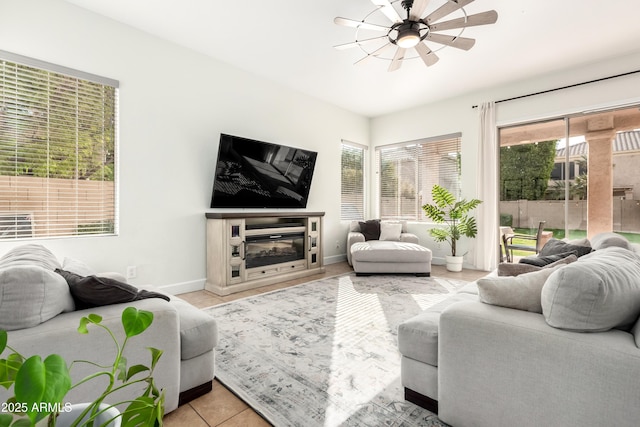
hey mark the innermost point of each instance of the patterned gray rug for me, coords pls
(325, 353)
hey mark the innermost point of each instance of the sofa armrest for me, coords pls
(60, 336)
(409, 238)
(500, 366)
(353, 237)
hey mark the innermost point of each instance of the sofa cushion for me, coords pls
(418, 336)
(390, 231)
(198, 330)
(555, 246)
(636, 332)
(509, 269)
(521, 292)
(30, 295)
(381, 251)
(370, 229)
(598, 292)
(29, 255)
(93, 291)
(606, 240)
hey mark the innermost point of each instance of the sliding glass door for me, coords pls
(579, 174)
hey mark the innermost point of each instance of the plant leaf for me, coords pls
(30, 383)
(5, 420)
(140, 413)
(155, 356)
(135, 369)
(58, 380)
(135, 321)
(3, 340)
(122, 369)
(91, 318)
(22, 422)
(9, 367)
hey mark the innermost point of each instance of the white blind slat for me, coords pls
(352, 187)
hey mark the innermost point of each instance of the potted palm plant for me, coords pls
(454, 214)
(39, 386)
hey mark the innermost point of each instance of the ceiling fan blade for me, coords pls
(376, 52)
(358, 43)
(427, 55)
(463, 43)
(489, 17)
(388, 10)
(447, 8)
(359, 24)
(418, 8)
(397, 59)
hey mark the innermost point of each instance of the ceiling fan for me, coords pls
(415, 31)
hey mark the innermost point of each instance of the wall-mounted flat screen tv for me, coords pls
(256, 174)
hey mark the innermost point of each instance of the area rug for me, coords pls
(325, 353)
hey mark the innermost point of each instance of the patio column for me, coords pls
(599, 138)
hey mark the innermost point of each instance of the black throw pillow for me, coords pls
(93, 291)
(555, 246)
(541, 261)
(370, 229)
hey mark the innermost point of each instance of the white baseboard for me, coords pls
(335, 259)
(184, 287)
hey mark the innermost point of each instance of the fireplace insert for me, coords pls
(271, 249)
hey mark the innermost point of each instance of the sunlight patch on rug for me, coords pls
(325, 353)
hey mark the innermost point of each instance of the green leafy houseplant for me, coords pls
(39, 386)
(454, 214)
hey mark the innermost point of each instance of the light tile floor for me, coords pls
(221, 407)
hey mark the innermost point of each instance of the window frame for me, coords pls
(422, 182)
(71, 215)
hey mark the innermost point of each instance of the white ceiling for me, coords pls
(291, 42)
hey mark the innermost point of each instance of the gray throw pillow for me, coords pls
(30, 295)
(520, 292)
(93, 291)
(598, 292)
(541, 261)
(509, 269)
(555, 246)
(370, 229)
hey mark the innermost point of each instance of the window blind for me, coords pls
(408, 171)
(58, 144)
(352, 188)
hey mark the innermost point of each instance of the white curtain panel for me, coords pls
(488, 246)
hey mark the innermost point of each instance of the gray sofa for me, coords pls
(38, 310)
(558, 346)
(386, 247)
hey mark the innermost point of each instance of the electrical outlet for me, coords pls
(132, 272)
(337, 244)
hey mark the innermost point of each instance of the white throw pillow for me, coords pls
(390, 231)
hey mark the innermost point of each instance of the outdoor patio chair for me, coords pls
(508, 235)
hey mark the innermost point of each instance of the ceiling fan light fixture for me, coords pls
(408, 36)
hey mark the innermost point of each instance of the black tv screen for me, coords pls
(256, 174)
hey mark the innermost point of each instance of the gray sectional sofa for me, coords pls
(39, 312)
(553, 346)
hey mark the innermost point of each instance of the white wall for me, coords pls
(174, 103)
(457, 115)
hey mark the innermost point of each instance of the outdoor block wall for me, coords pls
(528, 213)
(69, 203)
